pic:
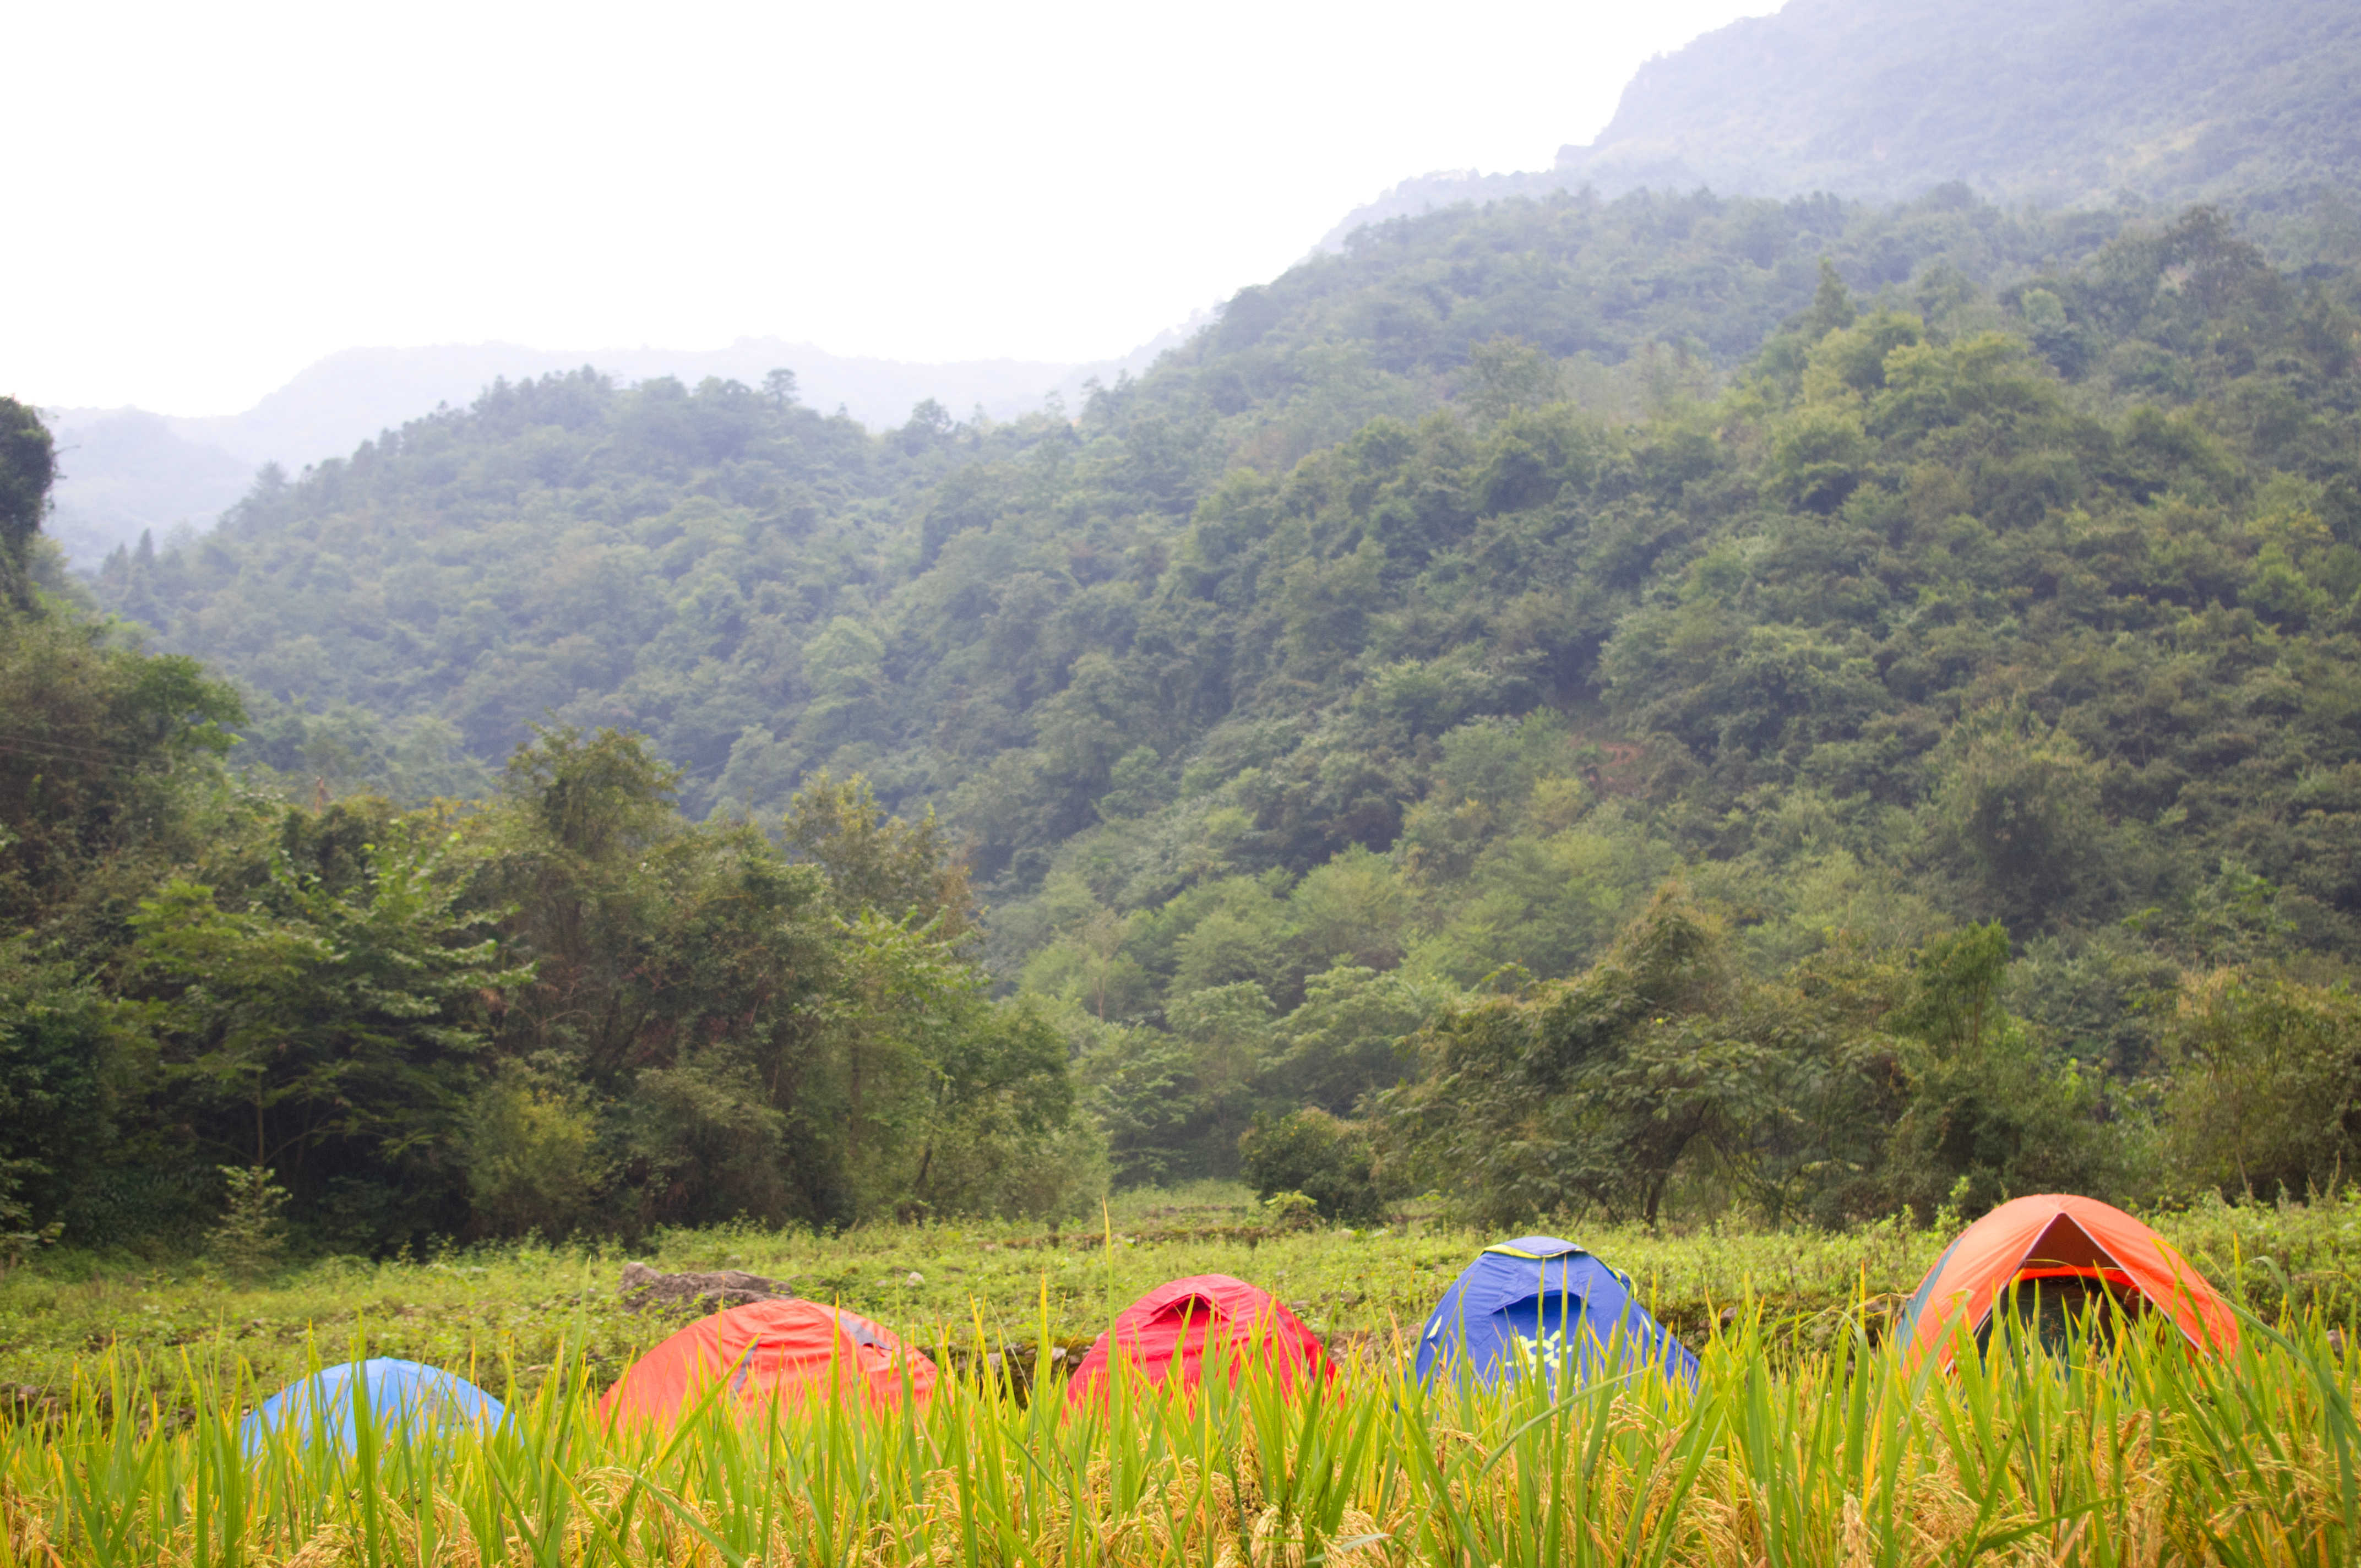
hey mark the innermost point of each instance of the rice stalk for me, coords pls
(2101, 1457)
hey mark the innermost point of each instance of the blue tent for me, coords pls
(1538, 1298)
(396, 1392)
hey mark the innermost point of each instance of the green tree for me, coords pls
(1832, 307)
(341, 1025)
(1141, 1087)
(1000, 1131)
(1332, 1162)
(69, 1053)
(1590, 1092)
(28, 464)
(2019, 811)
(876, 863)
(100, 750)
(1987, 1114)
(2265, 1087)
(1509, 374)
(529, 1144)
(253, 1228)
(1349, 1037)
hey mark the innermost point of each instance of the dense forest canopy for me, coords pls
(1642, 706)
(741, 578)
(560, 1004)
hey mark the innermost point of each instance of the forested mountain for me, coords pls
(124, 471)
(764, 590)
(1656, 705)
(2065, 103)
(1951, 609)
(1782, 702)
(2055, 102)
(559, 1005)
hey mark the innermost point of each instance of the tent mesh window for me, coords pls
(2063, 1310)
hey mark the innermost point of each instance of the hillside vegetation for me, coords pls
(1636, 707)
(561, 1005)
(763, 590)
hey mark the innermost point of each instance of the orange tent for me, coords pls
(787, 1352)
(2059, 1237)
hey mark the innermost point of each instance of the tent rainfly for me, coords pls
(788, 1353)
(322, 1407)
(2057, 1256)
(1540, 1302)
(1171, 1330)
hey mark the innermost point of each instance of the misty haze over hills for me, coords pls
(2062, 103)
(2059, 102)
(124, 471)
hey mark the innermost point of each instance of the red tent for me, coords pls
(1176, 1324)
(2057, 1239)
(789, 1352)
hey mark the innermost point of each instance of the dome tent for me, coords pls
(396, 1393)
(1538, 1298)
(2060, 1255)
(782, 1352)
(1178, 1325)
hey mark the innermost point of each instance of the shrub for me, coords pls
(1327, 1160)
(2266, 1089)
(532, 1154)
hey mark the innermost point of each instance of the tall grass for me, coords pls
(2134, 1454)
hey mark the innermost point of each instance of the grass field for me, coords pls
(1832, 1456)
(524, 1307)
(1805, 1442)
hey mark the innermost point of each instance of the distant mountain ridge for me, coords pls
(2062, 103)
(126, 470)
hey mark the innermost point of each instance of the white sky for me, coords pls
(223, 193)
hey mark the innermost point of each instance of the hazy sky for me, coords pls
(220, 194)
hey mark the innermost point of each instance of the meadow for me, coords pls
(1805, 1441)
(523, 1309)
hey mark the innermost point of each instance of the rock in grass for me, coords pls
(644, 1287)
